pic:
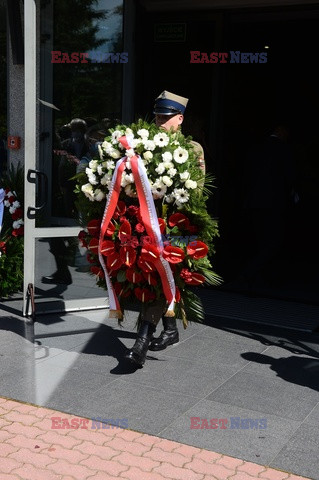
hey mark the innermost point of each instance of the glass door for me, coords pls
(73, 95)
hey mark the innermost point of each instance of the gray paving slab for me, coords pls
(301, 453)
(268, 395)
(259, 445)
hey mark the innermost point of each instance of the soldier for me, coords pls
(169, 114)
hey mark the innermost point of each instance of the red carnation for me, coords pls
(3, 247)
(139, 228)
(81, 238)
(18, 232)
(132, 210)
(17, 214)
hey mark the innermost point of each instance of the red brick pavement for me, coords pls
(31, 450)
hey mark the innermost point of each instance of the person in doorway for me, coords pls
(169, 112)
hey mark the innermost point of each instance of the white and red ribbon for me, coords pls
(148, 212)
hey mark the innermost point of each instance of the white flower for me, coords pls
(127, 179)
(107, 146)
(184, 176)
(175, 143)
(161, 139)
(142, 132)
(172, 172)
(181, 195)
(167, 156)
(168, 165)
(87, 189)
(190, 184)
(92, 179)
(105, 179)
(160, 168)
(130, 153)
(115, 153)
(147, 156)
(116, 135)
(158, 189)
(110, 165)
(10, 194)
(180, 155)
(93, 165)
(100, 170)
(88, 171)
(128, 165)
(149, 144)
(169, 198)
(129, 131)
(167, 180)
(99, 195)
(7, 203)
(129, 191)
(99, 148)
(17, 223)
(136, 141)
(12, 209)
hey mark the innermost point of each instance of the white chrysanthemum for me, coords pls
(116, 135)
(130, 152)
(99, 195)
(7, 203)
(181, 195)
(149, 144)
(142, 132)
(129, 191)
(100, 170)
(93, 165)
(99, 149)
(106, 145)
(160, 168)
(110, 165)
(136, 142)
(10, 194)
(172, 172)
(115, 153)
(184, 176)
(190, 184)
(147, 156)
(167, 157)
(12, 209)
(167, 180)
(92, 179)
(180, 155)
(129, 131)
(158, 189)
(169, 198)
(127, 179)
(161, 139)
(105, 179)
(87, 189)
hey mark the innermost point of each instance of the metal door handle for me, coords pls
(44, 184)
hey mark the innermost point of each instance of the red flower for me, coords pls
(128, 255)
(145, 265)
(110, 230)
(125, 231)
(97, 271)
(3, 247)
(192, 229)
(185, 274)
(107, 247)
(197, 249)
(114, 261)
(139, 228)
(17, 214)
(90, 259)
(133, 276)
(94, 227)
(11, 199)
(94, 245)
(195, 279)
(18, 232)
(132, 210)
(173, 254)
(119, 210)
(146, 240)
(162, 225)
(179, 220)
(81, 238)
(144, 294)
(119, 290)
(150, 253)
(151, 278)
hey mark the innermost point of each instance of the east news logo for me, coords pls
(227, 57)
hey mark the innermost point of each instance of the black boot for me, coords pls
(168, 336)
(137, 354)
